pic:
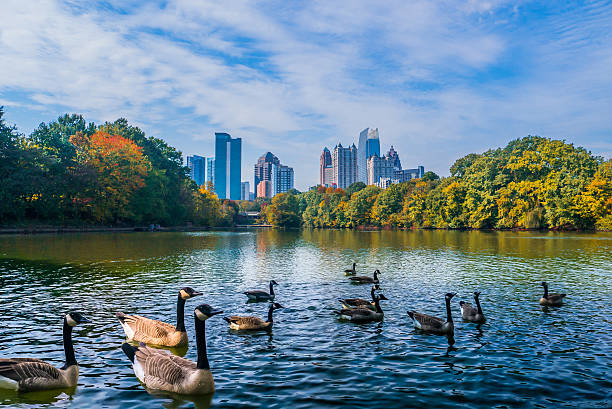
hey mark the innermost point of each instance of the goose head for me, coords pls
(381, 297)
(74, 318)
(273, 282)
(187, 292)
(205, 311)
(544, 284)
(476, 294)
(448, 296)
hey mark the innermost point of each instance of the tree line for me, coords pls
(70, 171)
(532, 183)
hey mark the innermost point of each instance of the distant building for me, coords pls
(269, 168)
(263, 167)
(210, 171)
(326, 170)
(394, 158)
(245, 191)
(228, 159)
(344, 165)
(264, 189)
(197, 168)
(384, 183)
(369, 145)
(405, 175)
(379, 167)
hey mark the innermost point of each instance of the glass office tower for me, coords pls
(228, 159)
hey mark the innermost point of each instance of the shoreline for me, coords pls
(46, 229)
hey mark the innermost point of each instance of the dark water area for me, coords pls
(525, 355)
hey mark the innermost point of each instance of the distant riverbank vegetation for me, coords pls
(72, 172)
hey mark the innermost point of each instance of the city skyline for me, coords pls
(439, 79)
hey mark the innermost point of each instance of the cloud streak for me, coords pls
(439, 79)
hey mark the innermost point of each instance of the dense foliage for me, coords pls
(71, 171)
(533, 183)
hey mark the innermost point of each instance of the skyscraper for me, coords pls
(380, 167)
(344, 164)
(269, 169)
(197, 168)
(245, 191)
(325, 168)
(210, 171)
(263, 167)
(228, 158)
(369, 145)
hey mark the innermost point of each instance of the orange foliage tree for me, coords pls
(119, 169)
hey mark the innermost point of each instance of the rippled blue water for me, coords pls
(523, 356)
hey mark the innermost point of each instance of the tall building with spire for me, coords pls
(273, 177)
(369, 145)
(326, 169)
(394, 158)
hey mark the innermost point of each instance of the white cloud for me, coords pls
(291, 77)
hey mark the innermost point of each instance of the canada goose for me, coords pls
(159, 333)
(360, 302)
(469, 313)
(366, 279)
(260, 295)
(553, 300)
(363, 315)
(433, 324)
(351, 271)
(239, 323)
(160, 370)
(30, 374)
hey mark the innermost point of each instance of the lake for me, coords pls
(524, 356)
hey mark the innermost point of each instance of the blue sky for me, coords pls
(440, 79)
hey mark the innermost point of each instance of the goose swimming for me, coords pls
(432, 324)
(244, 323)
(260, 295)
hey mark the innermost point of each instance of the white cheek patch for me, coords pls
(200, 315)
(70, 321)
(184, 294)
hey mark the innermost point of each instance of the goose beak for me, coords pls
(215, 312)
(84, 320)
(196, 293)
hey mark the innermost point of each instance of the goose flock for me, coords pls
(159, 369)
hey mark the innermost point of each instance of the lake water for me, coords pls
(524, 356)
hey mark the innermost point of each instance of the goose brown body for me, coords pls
(433, 324)
(362, 315)
(160, 370)
(153, 332)
(366, 279)
(471, 314)
(349, 303)
(31, 374)
(246, 323)
(548, 299)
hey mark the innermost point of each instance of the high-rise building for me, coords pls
(245, 191)
(269, 168)
(379, 167)
(344, 164)
(197, 168)
(394, 158)
(228, 159)
(210, 171)
(264, 189)
(326, 170)
(369, 145)
(263, 167)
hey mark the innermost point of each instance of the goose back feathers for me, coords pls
(348, 303)
(363, 315)
(471, 314)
